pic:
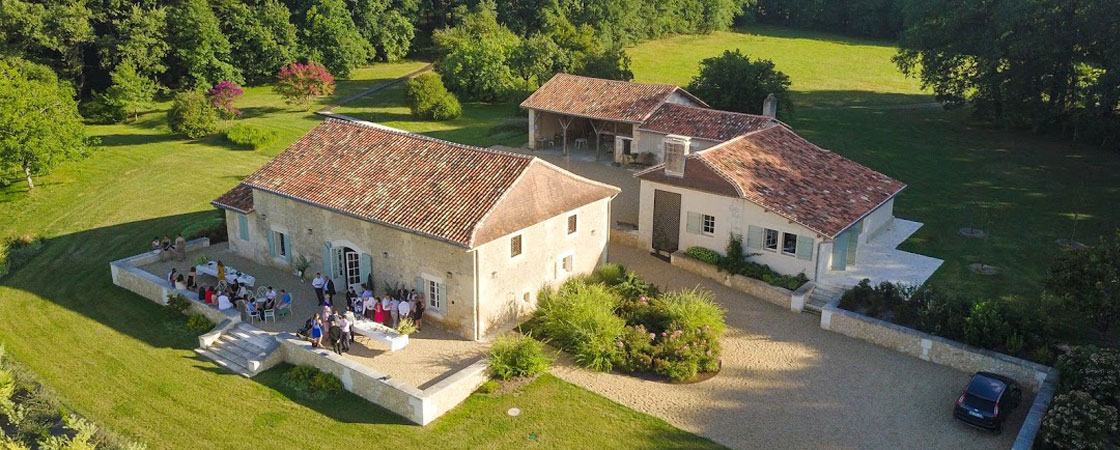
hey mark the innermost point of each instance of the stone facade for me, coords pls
(932, 348)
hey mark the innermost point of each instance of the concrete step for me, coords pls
(237, 354)
(224, 362)
(262, 340)
(247, 345)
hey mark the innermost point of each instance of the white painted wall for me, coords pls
(681, 99)
(877, 221)
(653, 142)
(732, 215)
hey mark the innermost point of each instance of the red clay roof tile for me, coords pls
(704, 123)
(239, 199)
(597, 98)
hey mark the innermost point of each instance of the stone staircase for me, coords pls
(821, 296)
(243, 349)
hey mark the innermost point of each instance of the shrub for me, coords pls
(517, 356)
(222, 96)
(211, 227)
(310, 382)
(17, 251)
(579, 317)
(735, 262)
(702, 254)
(609, 274)
(406, 326)
(691, 310)
(103, 109)
(489, 387)
(250, 136)
(176, 304)
(428, 98)
(192, 115)
(198, 323)
(985, 325)
(1076, 421)
(637, 349)
(1093, 370)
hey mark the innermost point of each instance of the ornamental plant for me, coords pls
(298, 83)
(222, 95)
(1076, 421)
(1093, 370)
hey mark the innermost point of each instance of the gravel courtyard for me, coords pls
(786, 383)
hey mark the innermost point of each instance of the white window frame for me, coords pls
(705, 228)
(766, 239)
(438, 300)
(353, 274)
(783, 244)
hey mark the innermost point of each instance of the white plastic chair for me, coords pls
(270, 313)
(261, 291)
(283, 310)
(222, 285)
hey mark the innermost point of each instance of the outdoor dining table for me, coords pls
(378, 332)
(232, 275)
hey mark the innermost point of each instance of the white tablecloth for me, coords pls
(377, 332)
(232, 275)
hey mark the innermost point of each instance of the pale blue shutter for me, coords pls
(271, 244)
(327, 259)
(288, 248)
(420, 286)
(365, 265)
(693, 223)
(804, 247)
(243, 227)
(754, 237)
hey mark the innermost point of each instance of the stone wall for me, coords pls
(932, 348)
(629, 238)
(421, 407)
(127, 274)
(750, 286)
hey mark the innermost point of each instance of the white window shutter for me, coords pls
(804, 247)
(693, 225)
(754, 237)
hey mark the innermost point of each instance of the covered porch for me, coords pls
(581, 136)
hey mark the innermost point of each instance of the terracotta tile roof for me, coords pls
(597, 98)
(788, 175)
(419, 184)
(239, 199)
(705, 123)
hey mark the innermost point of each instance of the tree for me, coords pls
(201, 54)
(1088, 281)
(385, 24)
(39, 121)
(331, 36)
(222, 96)
(612, 64)
(298, 83)
(140, 37)
(261, 36)
(131, 90)
(475, 55)
(54, 33)
(733, 82)
(429, 99)
(192, 115)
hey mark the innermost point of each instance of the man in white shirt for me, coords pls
(271, 294)
(318, 283)
(404, 309)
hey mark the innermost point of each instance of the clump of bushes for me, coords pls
(176, 305)
(211, 227)
(192, 115)
(704, 255)
(1093, 370)
(199, 324)
(249, 136)
(737, 262)
(17, 251)
(428, 98)
(1076, 421)
(311, 383)
(615, 319)
(517, 356)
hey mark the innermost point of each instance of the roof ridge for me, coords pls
(672, 86)
(347, 120)
(736, 138)
(723, 111)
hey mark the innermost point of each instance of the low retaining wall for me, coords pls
(932, 348)
(629, 238)
(418, 406)
(1025, 439)
(783, 297)
(128, 275)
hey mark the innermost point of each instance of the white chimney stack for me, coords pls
(770, 106)
(676, 153)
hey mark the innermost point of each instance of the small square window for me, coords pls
(708, 225)
(568, 263)
(515, 246)
(789, 243)
(572, 224)
(771, 242)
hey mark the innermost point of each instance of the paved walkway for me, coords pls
(880, 260)
(786, 383)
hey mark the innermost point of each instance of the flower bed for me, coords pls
(615, 320)
(736, 262)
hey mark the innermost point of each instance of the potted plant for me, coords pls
(201, 260)
(406, 327)
(300, 264)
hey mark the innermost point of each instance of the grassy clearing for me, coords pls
(114, 357)
(948, 162)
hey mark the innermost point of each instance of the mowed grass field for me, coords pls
(117, 359)
(1022, 189)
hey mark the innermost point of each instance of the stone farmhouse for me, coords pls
(713, 174)
(475, 231)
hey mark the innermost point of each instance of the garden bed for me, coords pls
(736, 262)
(614, 320)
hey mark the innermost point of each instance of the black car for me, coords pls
(987, 401)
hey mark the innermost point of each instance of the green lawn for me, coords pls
(948, 162)
(115, 358)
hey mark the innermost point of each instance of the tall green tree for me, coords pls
(132, 90)
(612, 63)
(386, 25)
(201, 54)
(331, 36)
(475, 55)
(733, 82)
(262, 36)
(139, 36)
(39, 122)
(55, 34)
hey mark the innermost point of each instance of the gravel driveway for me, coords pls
(786, 383)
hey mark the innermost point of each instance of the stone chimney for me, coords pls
(770, 106)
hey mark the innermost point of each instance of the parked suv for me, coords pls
(988, 400)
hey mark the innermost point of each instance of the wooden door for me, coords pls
(666, 221)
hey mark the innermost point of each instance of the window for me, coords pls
(708, 224)
(771, 240)
(435, 294)
(566, 263)
(353, 272)
(283, 241)
(515, 246)
(279, 246)
(572, 224)
(789, 243)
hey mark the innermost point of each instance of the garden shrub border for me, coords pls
(793, 300)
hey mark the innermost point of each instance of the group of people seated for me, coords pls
(387, 310)
(333, 327)
(240, 296)
(166, 250)
(184, 283)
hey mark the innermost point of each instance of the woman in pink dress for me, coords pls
(378, 313)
